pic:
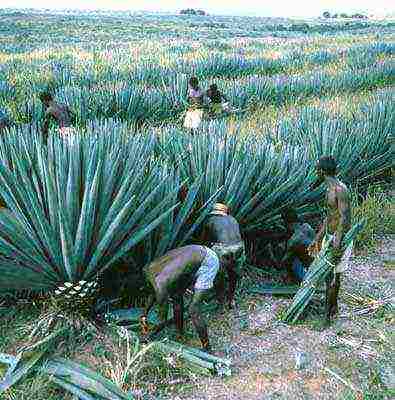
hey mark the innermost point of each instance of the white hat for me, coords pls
(220, 209)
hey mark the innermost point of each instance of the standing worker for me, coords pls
(336, 224)
(172, 274)
(221, 232)
(194, 114)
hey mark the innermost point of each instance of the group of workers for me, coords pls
(205, 266)
(198, 100)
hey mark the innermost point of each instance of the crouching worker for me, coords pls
(216, 101)
(172, 274)
(297, 258)
(58, 113)
(222, 233)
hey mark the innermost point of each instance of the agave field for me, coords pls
(132, 183)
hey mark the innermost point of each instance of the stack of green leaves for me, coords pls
(322, 265)
(197, 360)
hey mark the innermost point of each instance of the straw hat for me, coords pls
(219, 209)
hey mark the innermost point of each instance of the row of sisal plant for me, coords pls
(74, 209)
(137, 103)
(118, 66)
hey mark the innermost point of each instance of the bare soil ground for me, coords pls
(352, 359)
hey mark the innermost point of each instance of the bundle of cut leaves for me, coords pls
(197, 360)
(51, 334)
(317, 273)
(75, 378)
(368, 304)
(78, 379)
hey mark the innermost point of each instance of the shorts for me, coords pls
(207, 272)
(67, 134)
(67, 131)
(223, 250)
(234, 251)
(343, 265)
(193, 118)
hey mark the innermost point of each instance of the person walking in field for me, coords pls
(172, 274)
(221, 232)
(217, 99)
(194, 115)
(58, 113)
(301, 235)
(336, 224)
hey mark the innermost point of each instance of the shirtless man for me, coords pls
(297, 258)
(221, 232)
(60, 113)
(172, 274)
(334, 227)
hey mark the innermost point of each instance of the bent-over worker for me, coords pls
(297, 258)
(216, 100)
(173, 273)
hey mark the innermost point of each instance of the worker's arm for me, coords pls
(343, 203)
(205, 236)
(45, 127)
(73, 116)
(269, 235)
(316, 245)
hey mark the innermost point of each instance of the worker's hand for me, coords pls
(314, 249)
(144, 325)
(337, 254)
(337, 251)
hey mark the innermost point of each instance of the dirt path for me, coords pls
(263, 349)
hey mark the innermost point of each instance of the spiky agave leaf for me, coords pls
(77, 209)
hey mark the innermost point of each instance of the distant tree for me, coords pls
(326, 14)
(343, 15)
(191, 11)
(360, 16)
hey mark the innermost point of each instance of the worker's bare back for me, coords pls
(339, 208)
(61, 114)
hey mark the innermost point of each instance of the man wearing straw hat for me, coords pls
(221, 232)
(59, 113)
